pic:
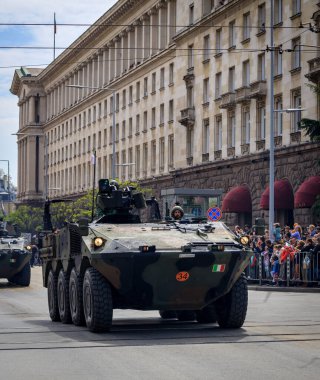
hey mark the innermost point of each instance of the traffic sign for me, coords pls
(214, 213)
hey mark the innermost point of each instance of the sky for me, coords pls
(34, 12)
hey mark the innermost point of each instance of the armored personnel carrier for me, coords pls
(187, 271)
(14, 258)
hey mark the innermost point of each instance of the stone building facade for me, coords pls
(190, 85)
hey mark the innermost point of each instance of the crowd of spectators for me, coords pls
(284, 252)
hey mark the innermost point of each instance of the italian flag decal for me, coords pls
(218, 268)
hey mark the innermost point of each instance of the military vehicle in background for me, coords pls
(14, 258)
(188, 271)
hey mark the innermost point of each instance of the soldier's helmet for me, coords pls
(177, 212)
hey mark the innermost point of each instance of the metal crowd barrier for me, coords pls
(293, 272)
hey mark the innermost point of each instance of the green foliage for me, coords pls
(312, 128)
(27, 218)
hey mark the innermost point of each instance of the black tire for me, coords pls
(75, 296)
(186, 315)
(23, 277)
(97, 301)
(63, 297)
(53, 296)
(207, 314)
(232, 308)
(168, 314)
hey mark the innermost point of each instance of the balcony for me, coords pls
(205, 157)
(187, 117)
(258, 89)
(245, 148)
(242, 94)
(190, 161)
(277, 141)
(228, 100)
(261, 144)
(189, 77)
(231, 152)
(314, 70)
(295, 137)
(217, 154)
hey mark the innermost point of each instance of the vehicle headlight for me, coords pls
(28, 247)
(98, 242)
(244, 240)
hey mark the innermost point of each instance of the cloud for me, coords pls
(34, 12)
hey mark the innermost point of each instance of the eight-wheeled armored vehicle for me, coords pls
(188, 271)
(14, 258)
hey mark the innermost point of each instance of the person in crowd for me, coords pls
(277, 232)
(312, 230)
(238, 231)
(275, 268)
(298, 245)
(296, 232)
(316, 258)
(307, 258)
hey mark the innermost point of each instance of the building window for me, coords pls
(190, 97)
(205, 137)
(246, 26)
(218, 41)
(206, 48)
(261, 121)
(191, 14)
(207, 6)
(124, 99)
(170, 110)
(130, 95)
(232, 34)
(137, 91)
(218, 86)
(145, 87)
(296, 115)
(130, 162)
(145, 159)
(117, 107)
(206, 91)
(296, 7)
(261, 66)
(218, 133)
(123, 161)
(123, 129)
(246, 125)
(153, 83)
(189, 141)
(137, 161)
(231, 137)
(246, 73)
(278, 116)
(296, 53)
(145, 121)
(170, 151)
(137, 124)
(153, 117)
(161, 154)
(278, 62)
(153, 155)
(231, 79)
(277, 12)
(171, 73)
(130, 127)
(262, 18)
(161, 113)
(190, 57)
(162, 78)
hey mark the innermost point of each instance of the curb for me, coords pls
(287, 289)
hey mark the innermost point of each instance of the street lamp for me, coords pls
(113, 166)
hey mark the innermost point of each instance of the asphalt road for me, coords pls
(280, 340)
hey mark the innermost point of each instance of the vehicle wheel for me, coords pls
(53, 296)
(97, 301)
(23, 277)
(186, 315)
(75, 295)
(232, 308)
(207, 314)
(63, 297)
(168, 314)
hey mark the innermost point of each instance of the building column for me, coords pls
(31, 105)
(100, 69)
(172, 19)
(106, 60)
(131, 45)
(118, 56)
(124, 52)
(138, 42)
(162, 9)
(145, 19)
(154, 32)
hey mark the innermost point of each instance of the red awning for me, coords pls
(307, 192)
(237, 199)
(283, 196)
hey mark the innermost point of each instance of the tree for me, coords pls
(312, 127)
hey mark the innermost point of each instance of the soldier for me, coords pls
(177, 212)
